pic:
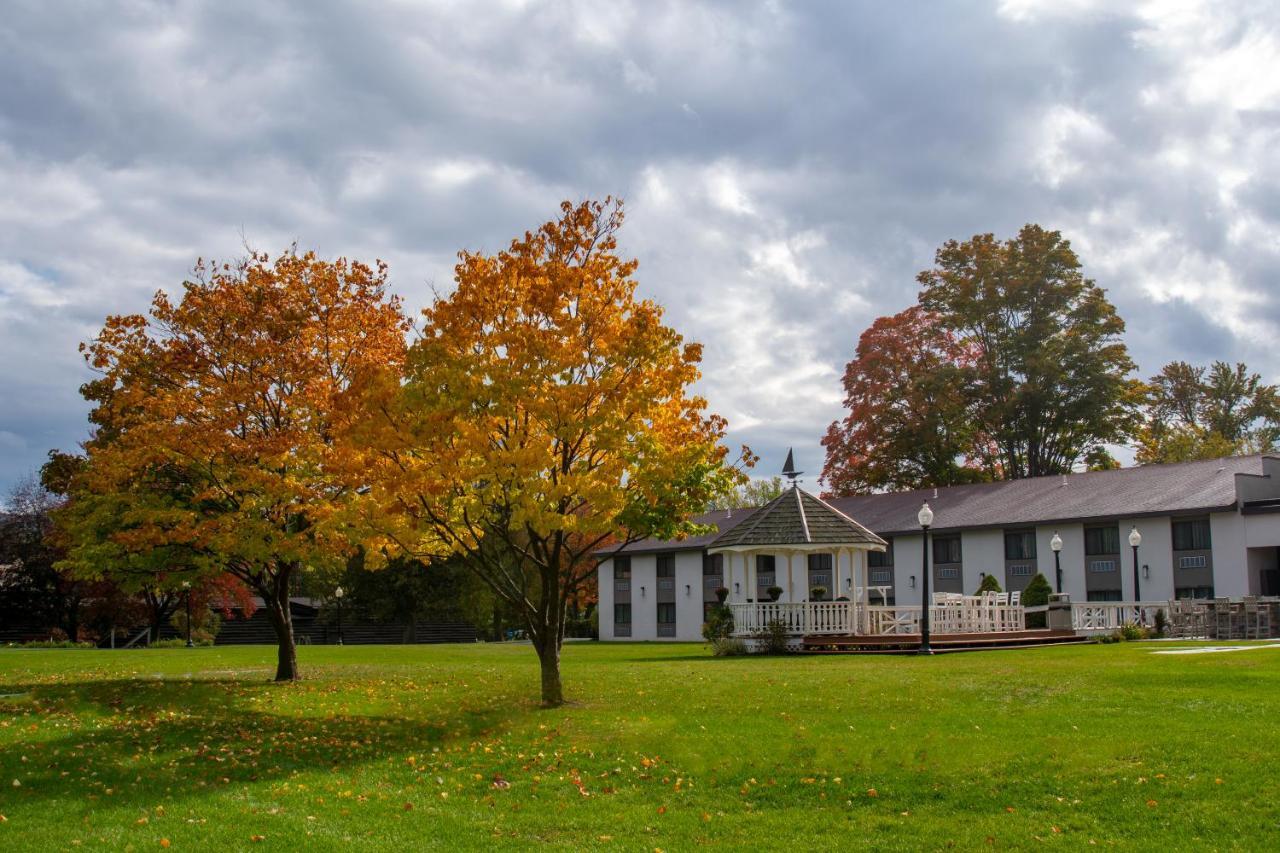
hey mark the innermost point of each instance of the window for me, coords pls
(881, 577)
(819, 562)
(1104, 595)
(666, 565)
(1020, 545)
(1020, 570)
(880, 559)
(1100, 566)
(1199, 561)
(622, 614)
(1191, 535)
(949, 572)
(1193, 592)
(946, 549)
(666, 614)
(765, 563)
(622, 568)
(1101, 540)
(712, 564)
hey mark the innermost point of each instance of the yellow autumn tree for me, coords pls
(216, 422)
(544, 410)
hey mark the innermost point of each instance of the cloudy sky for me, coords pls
(788, 167)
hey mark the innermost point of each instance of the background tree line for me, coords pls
(1012, 364)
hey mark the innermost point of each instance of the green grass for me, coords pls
(399, 747)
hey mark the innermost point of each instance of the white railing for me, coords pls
(841, 617)
(802, 618)
(1103, 617)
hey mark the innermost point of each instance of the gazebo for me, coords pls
(797, 523)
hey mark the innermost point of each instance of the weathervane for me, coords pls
(789, 468)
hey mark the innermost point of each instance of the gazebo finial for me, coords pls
(789, 468)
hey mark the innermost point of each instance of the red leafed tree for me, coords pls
(907, 392)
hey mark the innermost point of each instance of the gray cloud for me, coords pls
(788, 168)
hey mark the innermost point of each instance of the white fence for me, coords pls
(806, 618)
(1103, 617)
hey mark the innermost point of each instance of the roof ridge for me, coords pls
(804, 522)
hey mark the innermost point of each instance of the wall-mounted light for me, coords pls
(982, 576)
(1146, 570)
(848, 583)
(737, 587)
(688, 589)
(912, 581)
(642, 592)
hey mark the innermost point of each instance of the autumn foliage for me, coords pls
(216, 420)
(543, 411)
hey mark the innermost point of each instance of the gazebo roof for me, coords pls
(797, 519)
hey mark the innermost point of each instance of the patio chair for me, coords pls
(1223, 619)
(1257, 619)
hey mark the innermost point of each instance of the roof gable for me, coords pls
(796, 518)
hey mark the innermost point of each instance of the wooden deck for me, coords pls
(900, 644)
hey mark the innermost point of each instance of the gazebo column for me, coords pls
(753, 584)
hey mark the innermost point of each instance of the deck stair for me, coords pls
(940, 643)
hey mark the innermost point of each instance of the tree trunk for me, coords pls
(549, 656)
(282, 621)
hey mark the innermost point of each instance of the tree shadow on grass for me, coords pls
(133, 741)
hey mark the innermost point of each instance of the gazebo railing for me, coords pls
(802, 618)
(810, 618)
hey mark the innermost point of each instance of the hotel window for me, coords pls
(712, 564)
(622, 614)
(1104, 595)
(1101, 540)
(1020, 545)
(946, 549)
(622, 574)
(765, 567)
(820, 570)
(666, 620)
(1197, 592)
(880, 559)
(1191, 535)
(666, 571)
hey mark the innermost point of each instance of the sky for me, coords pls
(787, 168)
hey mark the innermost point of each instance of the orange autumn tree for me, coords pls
(216, 421)
(544, 410)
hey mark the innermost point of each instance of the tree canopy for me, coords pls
(1205, 412)
(543, 413)
(216, 424)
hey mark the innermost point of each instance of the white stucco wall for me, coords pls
(644, 600)
(1072, 558)
(906, 565)
(688, 595)
(982, 551)
(1230, 555)
(1260, 531)
(604, 591)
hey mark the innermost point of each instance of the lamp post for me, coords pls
(1056, 544)
(1135, 539)
(186, 588)
(925, 517)
(338, 593)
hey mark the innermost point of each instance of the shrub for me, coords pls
(1132, 631)
(205, 625)
(719, 624)
(989, 584)
(1161, 623)
(51, 644)
(818, 593)
(1036, 594)
(773, 639)
(178, 643)
(722, 592)
(728, 647)
(775, 592)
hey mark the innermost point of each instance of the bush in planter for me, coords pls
(775, 592)
(728, 647)
(842, 598)
(1036, 594)
(989, 584)
(818, 593)
(722, 592)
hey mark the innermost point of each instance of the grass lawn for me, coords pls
(404, 747)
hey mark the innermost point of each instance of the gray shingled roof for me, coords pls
(1183, 488)
(796, 518)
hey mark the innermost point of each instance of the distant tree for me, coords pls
(1051, 373)
(910, 397)
(1204, 413)
(544, 410)
(754, 492)
(216, 419)
(1100, 459)
(989, 584)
